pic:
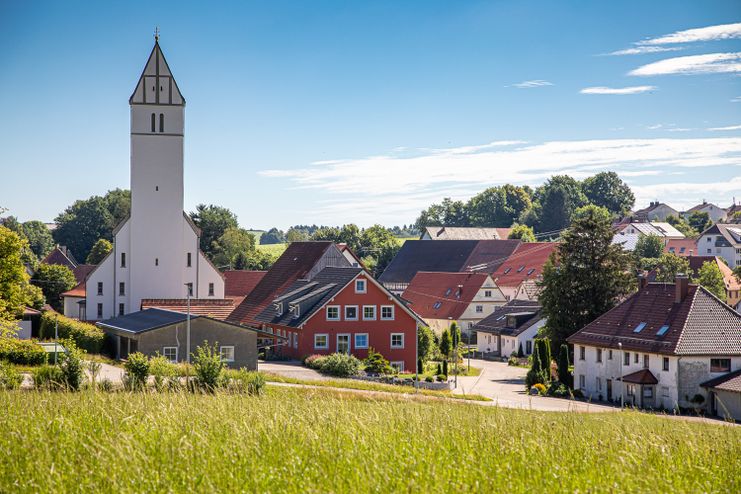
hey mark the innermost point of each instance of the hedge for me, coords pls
(86, 336)
(21, 352)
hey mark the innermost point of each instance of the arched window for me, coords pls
(153, 122)
(162, 122)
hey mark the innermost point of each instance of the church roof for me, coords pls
(156, 85)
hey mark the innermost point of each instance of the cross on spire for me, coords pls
(157, 33)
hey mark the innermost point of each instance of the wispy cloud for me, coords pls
(709, 33)
(730, 127)
(737, 99)
(683, 195)
(386, 188)
(532, 84)
(639, 50)
(617, 90)
(693, 64)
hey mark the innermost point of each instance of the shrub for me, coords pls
(137, 371)
(21, 352)
(162, 370)
(445, 367)
(540, 387)
(314, 361)
(513, 360)
(376, 364)
(439, 369)
(520, 353)
(208, 367)
(48, 377)
(86, 336)
(341, 365)
(71, 364)
(429, 379)
(563, 366)
(105, 384)
(10, 378)
(442, 377)
(420, 366)
(245, 381)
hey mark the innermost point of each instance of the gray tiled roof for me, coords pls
(711, 328)
(726, 382)
(496, 322)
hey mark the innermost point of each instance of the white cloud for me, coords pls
(730, 127)
(709, 33)
(737, 99)
(387, 188)
(684, 195)
(639, 50)
(617, 90)
(693, 64)
(532, 84)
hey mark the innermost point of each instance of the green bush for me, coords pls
(208, 367)
(72, 367)
(137, 371)
(245, 381)
(162, 370)
(340, 365)
(445, 367)
(314, 361)
(105, 384)
(10, 378)
(86, 336)
(48, 377)
(376, 364)
(429, 379)
(513, 360)
(21, 352)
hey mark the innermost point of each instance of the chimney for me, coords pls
(642, 280)
(681, 283)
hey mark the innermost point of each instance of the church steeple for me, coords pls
(156, 85)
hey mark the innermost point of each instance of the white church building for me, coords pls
(156, 251)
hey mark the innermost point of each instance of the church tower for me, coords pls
(156, 251)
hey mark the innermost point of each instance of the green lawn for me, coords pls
(274, 249)
(292, 440)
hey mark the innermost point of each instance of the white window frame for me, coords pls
(357, 313)
(372, 318)
(365, 285)
(349, 342)
(221, 353)
(326, 341)
(398, 365)
(355, 341)
(393, 312)
(338, 313)
(397, 347)
(487, 293)
(479, 309)
(164, 353)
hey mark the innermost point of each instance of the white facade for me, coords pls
(598, 375)
(715, 213)
(156, 250)
(488, 342)
(716, 244)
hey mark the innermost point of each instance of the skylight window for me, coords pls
(437, 305)
(448, 291)
(530, 271)
(500, 318)
(507, 270)
(662, 330)
(520, 268)
(640, 327)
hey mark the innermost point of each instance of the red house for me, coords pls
(343, 309)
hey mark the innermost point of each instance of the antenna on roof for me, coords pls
(156, 33)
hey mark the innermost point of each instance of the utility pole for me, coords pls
(56, 336)
(187, 336)
(622, 385)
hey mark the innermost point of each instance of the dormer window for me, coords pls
(278, 308)
(296, 309)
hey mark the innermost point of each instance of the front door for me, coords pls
(609, 390)
(343, 343)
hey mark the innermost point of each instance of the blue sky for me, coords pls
(366, 112)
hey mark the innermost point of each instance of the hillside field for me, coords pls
(299, 440)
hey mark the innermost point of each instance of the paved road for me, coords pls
(292, 369)
(505, 385)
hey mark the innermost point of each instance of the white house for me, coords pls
(629, 233)
(723, 240)
(156, 249)
(658, 348)
(715, 213)
(510, 327)
(656, 211)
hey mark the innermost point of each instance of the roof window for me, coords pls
(530, 271)
(448, 291)
(520, 268)
(507, 270)
(662, 330)
(640, 327)
(437, 305)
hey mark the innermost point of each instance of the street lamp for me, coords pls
(188, 290)
(622, 359)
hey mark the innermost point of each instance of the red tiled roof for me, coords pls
(643, 376)
(62, 256)
(525, 263)
(437, 295)
(681, 246)
(82, 271)
(730, 280)
(698, 325)
(78, 291)
(214, 308)
(491, 254)
(239, 283)
(295, 263)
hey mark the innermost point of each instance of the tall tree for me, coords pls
(54, 279)
(699, 221)
(681, 224)
(15, 289)
(559, 198)
(585, 277)
(648, 246)
(233, 242)
(669, 266)
(272, 236)
(100, 250)
(498, 206)
(710, 276)
(425, 340)
(522, 232)
(297, 235)
(447, 213)
(347, 234)
(213, 222)
(118, 203)
(39, 238)
(607, 190)
(82, 224)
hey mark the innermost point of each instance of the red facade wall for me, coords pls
(379, 331)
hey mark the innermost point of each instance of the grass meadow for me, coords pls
(299, 440)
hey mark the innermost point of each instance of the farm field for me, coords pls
(299, 440)
(273, 249)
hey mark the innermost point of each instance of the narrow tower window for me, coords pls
(123, 259)
(162, 122)
(156, 261)
(188, 262)
(153, 121)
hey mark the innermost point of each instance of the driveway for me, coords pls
(505, 385)
(293, 369)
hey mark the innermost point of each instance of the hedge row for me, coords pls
(86, 336)
(21, 352)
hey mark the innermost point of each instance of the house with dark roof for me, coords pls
(656, 211)
(62, 256)
(443, 298)
(165, 332)
(715, 213)
(657, 348)
(724, 240)
(341, 309)
(240, 283)
(510, 327)
(444, 256)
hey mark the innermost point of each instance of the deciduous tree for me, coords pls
(522, 232)
(54, 279)
(15, 289)
(710, 276)
(559, 198)
(100, 250)
(39, 238)
(607, 190)
(699, 221)
(669, 266)
(213, 222)
(650, 246)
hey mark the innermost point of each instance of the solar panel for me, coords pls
(662, 330)
(640, 327)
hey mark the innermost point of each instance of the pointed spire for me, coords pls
(156, 85)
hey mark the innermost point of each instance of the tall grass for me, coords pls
(292, 440)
